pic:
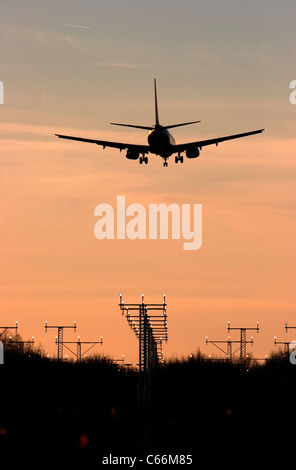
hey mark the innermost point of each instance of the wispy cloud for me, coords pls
(40, 39)
(117, 65)
(79, 26)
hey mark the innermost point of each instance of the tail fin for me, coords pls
(156, 106)
(156, 117)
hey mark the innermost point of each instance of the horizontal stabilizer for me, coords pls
(131, 125)
(179, 125)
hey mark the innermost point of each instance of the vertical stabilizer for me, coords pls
(156, 106)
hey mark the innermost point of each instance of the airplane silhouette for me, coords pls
(160, 141)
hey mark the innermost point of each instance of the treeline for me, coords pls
(82, 411)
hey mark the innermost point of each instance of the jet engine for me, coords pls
(132, 154)
(192, 152)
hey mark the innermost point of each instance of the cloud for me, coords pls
(76, 26)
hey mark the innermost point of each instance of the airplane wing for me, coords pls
(203, 143)
(105, 143)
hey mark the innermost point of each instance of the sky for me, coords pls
(72, 67)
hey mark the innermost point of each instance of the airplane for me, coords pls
(160, 141)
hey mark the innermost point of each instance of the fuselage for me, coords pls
(160, 141)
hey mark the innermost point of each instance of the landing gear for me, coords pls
(165, 163)
(179, 158)
(143, 159)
